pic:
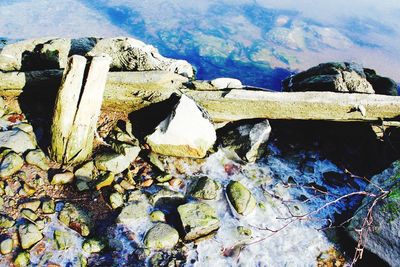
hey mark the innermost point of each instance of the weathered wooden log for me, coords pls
(77, 109)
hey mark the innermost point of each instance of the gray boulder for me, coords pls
(384, 238)
(161, 236)
(334, 76)
(381, 85)
(10, 163)
(205, 188)
(135, 210)
(248, 139)
(37, 158)
(198, 219)
(240, 198)
(76, 219)
(29, 235)
(17, 140)
(129, 54)
(117, 162)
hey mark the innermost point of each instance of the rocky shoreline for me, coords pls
(186, 172)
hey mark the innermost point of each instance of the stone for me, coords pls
(48, 206)
(29, 235)
(334, 76)
(37, 158)
(240, 198)
(85, 171)
(32, 204)
(42, 53)
(17, 140)
(384, 236)
(6, 221)
(64, 239)
(93, 246)
(226, 83)
(198, 219)
(248, 139)
(201, 85)
(205, 188)
(381, 85)
(163, 178)
(116, 162)
(134, 211)
(244, 231)
(22, 259)
(186, 132)
(161, 236)
(10, 163)
(75, 218)
(129, 54)
(157, 216)
(29, 215)
(116, 200)
(104, 180)
(165, 196)
(6, 246)
(62, 178)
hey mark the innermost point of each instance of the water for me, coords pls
(260, 42)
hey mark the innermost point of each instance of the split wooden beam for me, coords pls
(77, 108)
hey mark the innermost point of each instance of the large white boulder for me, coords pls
(186, 132)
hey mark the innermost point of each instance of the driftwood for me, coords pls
(77, 109)
(131, 91)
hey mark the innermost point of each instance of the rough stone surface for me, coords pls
(166, 196)
(93, 246)
(62, 178)
(17, 140)
(186, 132)
(129, 54)
(37, 158)
(134, 211)
(22, 259)
(226, 83)
(10, 163)
(335, 76)
(29, 235)
(384, 239)
(381, 85)
(198, 219)
(64, 239)
(115, 162)
(6, 246)
(75, 218)
(248, 139)
(6, 221)
(161, 236)
(42, 53)
(240, 198)
(205, 188)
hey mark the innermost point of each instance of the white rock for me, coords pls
(17, 140)
(186, 132)
(226, 83)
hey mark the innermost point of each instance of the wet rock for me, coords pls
(93, 246)
(205, 188)
(22, 259)
(129, 54)
(6, 221)
(384, 238)
(64, 239)
(248, 139)
(186, 132)
(6, 246)
(104, 180)
(116, 200)
(165, 196)
(62, 178)
(17, 140)
(157, 216)
(37, 158)
(161, 236)
(226, 83)
(85, 172)
(48, 206)
(29, 215)
(29, 235)
(134, 211)
(198, 219)
(381, 85)
(334, 76)
(240, 198)
(115, 162)
(10, 163)
(75, 218)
